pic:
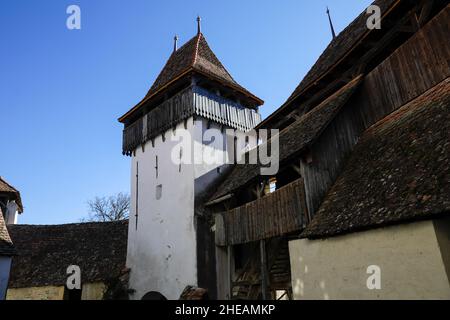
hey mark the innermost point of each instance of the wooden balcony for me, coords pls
(276, 214)
(188, 102)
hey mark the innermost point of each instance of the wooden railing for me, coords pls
(190, 101)
(281, 212)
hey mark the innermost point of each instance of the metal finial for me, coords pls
(199, 26)
(331, 23)
(175, 43)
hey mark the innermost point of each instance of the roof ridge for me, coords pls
(194, 58)
(69, 224)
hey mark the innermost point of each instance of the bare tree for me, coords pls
(113, 208)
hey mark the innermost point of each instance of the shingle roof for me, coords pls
(194, 56)
(45, 252)
(294, 138)
(6, 245)
(11, 192)
(399, 171)
(339, 46)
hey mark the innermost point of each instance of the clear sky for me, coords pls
(61, 91)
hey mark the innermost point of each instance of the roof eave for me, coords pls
(244, 92)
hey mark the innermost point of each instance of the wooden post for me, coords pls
(262, 246)
(229, 275)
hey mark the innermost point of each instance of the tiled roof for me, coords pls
(194, 56)
(339, 47)
(11, 192)
(45, 252)
(399, 171)
(6, 245)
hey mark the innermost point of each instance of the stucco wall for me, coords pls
(408, 255)
(5, 266)
(93, 291)
(162, 249)
(90, 291)
(36, 293)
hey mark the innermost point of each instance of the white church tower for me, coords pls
(167, 243)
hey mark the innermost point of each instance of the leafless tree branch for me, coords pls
(113, 208)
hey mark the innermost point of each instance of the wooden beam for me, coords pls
(296, 169)
(425, 12)
(264, 276)
(229, 273)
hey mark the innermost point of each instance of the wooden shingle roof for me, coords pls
(339, 46)
(6, 245)
(398, 172)
(335, 54)
(45, 251)
(11, 192)
(194, 56)
(295, 138)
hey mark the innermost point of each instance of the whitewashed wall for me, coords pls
(162, 249)
(410, 257)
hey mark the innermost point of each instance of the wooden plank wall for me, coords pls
(419, 64)
(276, 214)
(190, 101)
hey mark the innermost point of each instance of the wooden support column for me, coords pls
(229, 272)
(264, 276)
(263, 254)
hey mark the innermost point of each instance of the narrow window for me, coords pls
(137, 193)
(181, 155)
(272, 185)
(235, 150)
(158, 191)
(156, 167)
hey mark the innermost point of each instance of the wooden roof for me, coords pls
(294, 138)
(6, 245)
(338, 49)
(45, 252)
(194, 56)
(398, 172)
(11, 192)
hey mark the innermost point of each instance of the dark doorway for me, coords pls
(72, 294)
(153, 295)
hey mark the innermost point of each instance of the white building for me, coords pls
(168, 240)
(10, 207)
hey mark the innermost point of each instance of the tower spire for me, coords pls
(199, 26)
(175, 43)
(331, 23)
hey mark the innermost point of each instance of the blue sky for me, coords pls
(61, 91)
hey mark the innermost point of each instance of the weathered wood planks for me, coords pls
(276, 214)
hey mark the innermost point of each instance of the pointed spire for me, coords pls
(199, 26)
(175, 43)
(331, 23)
